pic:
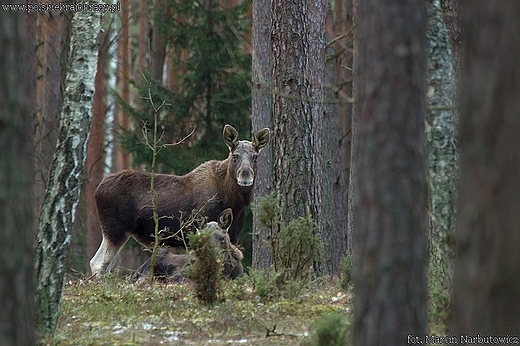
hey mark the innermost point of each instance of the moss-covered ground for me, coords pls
(114, 312)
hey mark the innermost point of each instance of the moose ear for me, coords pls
(225, 219)
(261, 139)
(230, 135)
(199, 221)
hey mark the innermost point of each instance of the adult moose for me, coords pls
(170, 267)
(124, 201)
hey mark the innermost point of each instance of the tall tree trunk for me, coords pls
(142, 40)
(158, 39)
(353, 135)
(451, 11)
(142, 65)
(334, 198)
(261, 117)
(390, 188)
(63, 190)
(52, 50)
(343, 47)
(486, 284)
(17, 87)
(95, 161)
(122, 158)
(298, 62)
(442, 158)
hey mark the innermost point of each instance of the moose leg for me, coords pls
(104, 259)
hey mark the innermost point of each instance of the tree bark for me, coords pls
(142, 42)
(261, 118)
(17, 90)
(298, 62)
(486, 284)
(95, 161)
(353, 135)
(334, 198)
(121, 157)
(158, 39)
(63, 190)
(450, 9)
(442, 157)
(343, 48)
(390, 188)
(52, 50)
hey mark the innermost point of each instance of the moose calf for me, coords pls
(169, 267)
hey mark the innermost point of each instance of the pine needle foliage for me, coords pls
(205, 271)
(212, 86)
(294, 244)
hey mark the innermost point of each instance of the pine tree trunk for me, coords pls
(63, 190)
(17, 87)
(122, 158)
(390, 187)
(158, 40)
(298, 62)
(486, 284)
(261, 118)
(334, 201)
(52, 50)
(344, 37)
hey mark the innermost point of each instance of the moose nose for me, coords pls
(245, 176)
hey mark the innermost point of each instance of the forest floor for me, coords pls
(115, 312)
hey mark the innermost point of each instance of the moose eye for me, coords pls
(234, 157)
(255, 157)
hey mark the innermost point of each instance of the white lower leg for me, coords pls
(104, 259)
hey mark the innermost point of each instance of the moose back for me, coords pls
(123, 199)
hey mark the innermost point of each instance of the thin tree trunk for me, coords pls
(261, 117)
(390, 187)
(17, 87)
(95, 161)
(334, 201)
(442, 158)
(451, 18)
(343, 47)
(158, 40)
(63, 190)
(353, 134)
(486, 281)
(122, 158)
(142, 50)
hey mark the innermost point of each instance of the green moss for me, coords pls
(116, 312)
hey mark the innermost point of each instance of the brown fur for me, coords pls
(169, 266)
(124, 201)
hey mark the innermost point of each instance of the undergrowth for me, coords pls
(115, 312)
(294, 244)
(205, 271)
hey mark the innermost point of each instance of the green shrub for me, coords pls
(346, 272)
(294, 245)
(331, 330)
(205, 271)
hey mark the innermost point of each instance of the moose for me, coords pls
(125, 210)
(169, 267)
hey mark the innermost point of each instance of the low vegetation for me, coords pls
(116, 312)
(283, 307)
